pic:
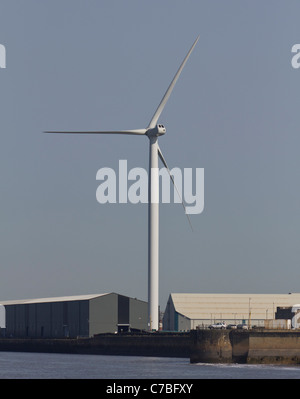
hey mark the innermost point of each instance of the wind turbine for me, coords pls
(153, 131)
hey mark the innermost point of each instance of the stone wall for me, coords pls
(256, 347)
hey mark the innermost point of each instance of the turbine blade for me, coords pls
(173, 181)
(136, 132)
(169, 90)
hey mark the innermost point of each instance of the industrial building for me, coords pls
(185, 312)
(2, 320)
(74, 316)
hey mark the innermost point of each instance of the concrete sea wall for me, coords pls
(199, 346)
(274, 347)
(256, 347)
(158, 345)
(210, 346)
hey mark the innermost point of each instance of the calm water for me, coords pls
(64, 366)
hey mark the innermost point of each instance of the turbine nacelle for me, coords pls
(158, 130)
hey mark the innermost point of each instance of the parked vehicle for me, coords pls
(242, 327)
(218, 326)
(231, 326)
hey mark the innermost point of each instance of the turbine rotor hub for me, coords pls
(158, 130)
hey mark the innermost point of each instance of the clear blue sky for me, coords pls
(96, 65)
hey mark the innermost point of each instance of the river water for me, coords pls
(16, 365)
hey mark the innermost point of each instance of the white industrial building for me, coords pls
(185, 312)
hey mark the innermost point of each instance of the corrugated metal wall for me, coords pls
(74, 318)
(48, 320)
(103, 314)
(169, 322)
(138, 314)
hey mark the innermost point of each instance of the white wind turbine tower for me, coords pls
(153, 131)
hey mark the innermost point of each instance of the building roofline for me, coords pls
(54, 299)
(61, 299)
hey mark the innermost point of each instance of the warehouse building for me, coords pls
(185, 312)
(2, 321)
(74, 316)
